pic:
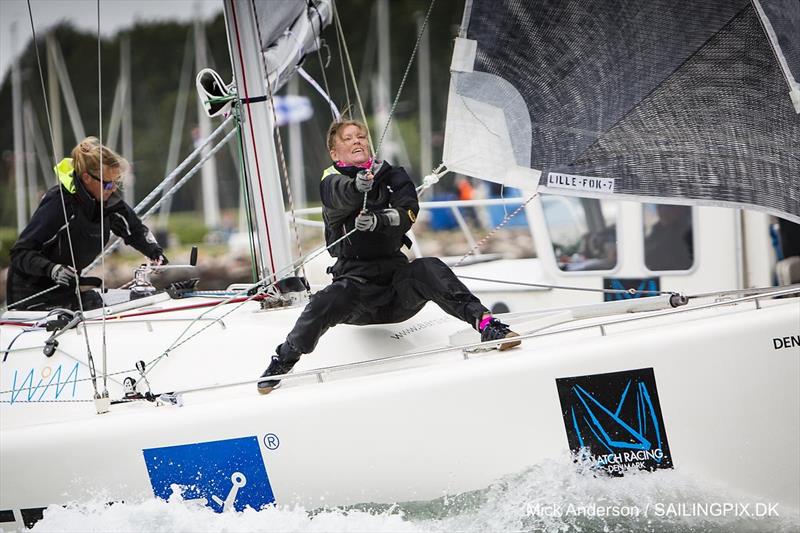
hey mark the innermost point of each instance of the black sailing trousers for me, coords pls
(380, 291)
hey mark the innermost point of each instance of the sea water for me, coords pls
(555, 496)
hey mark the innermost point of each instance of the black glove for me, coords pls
(63, 275)
(380, 219)
(364, 181)
(366, 222)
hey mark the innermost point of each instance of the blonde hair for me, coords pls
(86, 157)
(333, 130)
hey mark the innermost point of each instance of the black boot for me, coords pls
(279, 364)
(495, 330)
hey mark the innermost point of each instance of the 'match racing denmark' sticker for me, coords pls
(616, 419)
(223, 475)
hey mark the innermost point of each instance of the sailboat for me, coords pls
(706, 383)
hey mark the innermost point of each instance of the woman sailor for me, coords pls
(64, 236)
(373, 281)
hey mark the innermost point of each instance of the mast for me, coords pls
(297, 169)
(127, 117)
(383, 85)
(178, 120)
(30, 156)
(62, 75)
(260, 157)
(19, 171)
(40, 152)
(55, 101)
(209, 171)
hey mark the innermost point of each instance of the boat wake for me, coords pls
(553, 496)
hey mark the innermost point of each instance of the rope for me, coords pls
(9, 306)
(61, 190)
(500, 225)
(311, 81)
(277, 134)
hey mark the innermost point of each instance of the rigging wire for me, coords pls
(630, 291)
(102, 206)
(341, 64)
(323, 65)
(375, 150)
(340, 34)
(405, 75)
(61, 194)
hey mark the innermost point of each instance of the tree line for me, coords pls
(156, 56)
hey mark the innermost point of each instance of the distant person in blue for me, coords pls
(373, 280)
(51, 251)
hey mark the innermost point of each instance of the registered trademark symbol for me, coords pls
(271, 441)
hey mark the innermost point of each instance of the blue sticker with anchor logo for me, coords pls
(223, 475)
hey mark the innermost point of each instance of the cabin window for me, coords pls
(583, 232)
(668, 237)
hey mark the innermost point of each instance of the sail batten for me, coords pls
(679, 102)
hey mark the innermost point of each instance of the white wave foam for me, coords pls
(515, 503)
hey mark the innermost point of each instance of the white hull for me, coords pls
(407, 428)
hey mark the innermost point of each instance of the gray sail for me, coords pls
(288, 31)
(679, 102)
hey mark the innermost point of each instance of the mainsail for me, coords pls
(288, 31)
(660, 101)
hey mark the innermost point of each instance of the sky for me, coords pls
(115, 15)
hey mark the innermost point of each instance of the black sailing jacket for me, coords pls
(44, 242)
(341, 202)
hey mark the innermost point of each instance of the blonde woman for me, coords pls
(42, 256)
